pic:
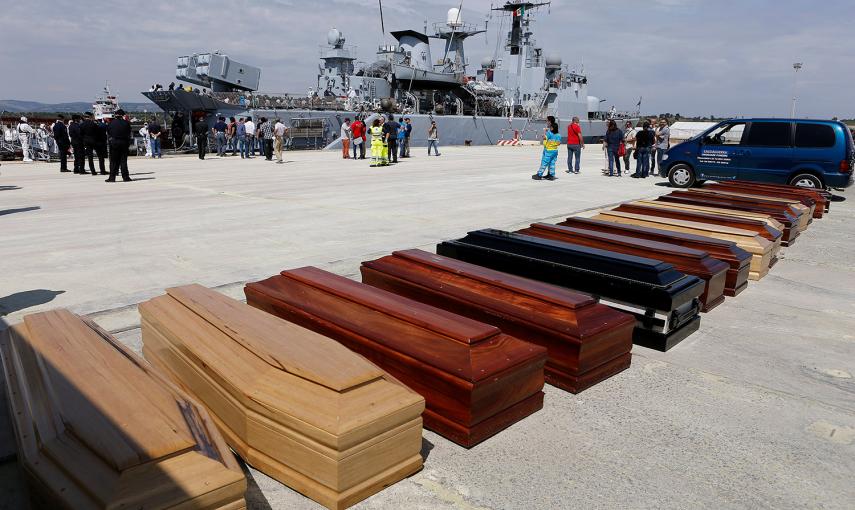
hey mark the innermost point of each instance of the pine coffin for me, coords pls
(656, 209)
(586, 342)
(663, 300)
(98, 428)
(294, 404)
(687, 260)
(822, 197)
(803, 213)
(476, 380)
(815, 200)
(737, 259)
(762, 251)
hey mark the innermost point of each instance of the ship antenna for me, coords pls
(382, 26)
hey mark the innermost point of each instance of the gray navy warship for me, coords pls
(506, 100)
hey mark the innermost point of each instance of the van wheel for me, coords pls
(681, 176)
(806, 181)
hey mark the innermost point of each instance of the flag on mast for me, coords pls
(520, 11)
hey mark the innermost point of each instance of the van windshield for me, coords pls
(726, 134)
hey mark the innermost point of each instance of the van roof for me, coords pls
(779, 119)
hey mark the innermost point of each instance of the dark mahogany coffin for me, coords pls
(586, 342)
(790, 222)
(765, 204)
(475, 379)
(818, 202)
(663, 300)
(822, 197)
(756, 226)
(738, 259)
(688, 260)
(802, 212)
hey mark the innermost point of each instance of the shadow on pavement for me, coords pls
(254, 496)
(145, 179)
(9, 188)
(4, 212)
(20, 300)
(142, 173)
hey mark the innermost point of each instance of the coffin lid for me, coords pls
(710, 227)
(630, 267)
(701, 217)
(95, 392)
(732, 202)
(764, 191)
(712, 209)
(673, 249)
(453, 326)
(763, 199)
(283, 345)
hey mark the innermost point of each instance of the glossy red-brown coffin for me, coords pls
(737, 259)
(586, 341)
(687, 260)
(803, 213)
(476, 380)
(781, 213)
(809, 200)
(822, 197)
(756, 226)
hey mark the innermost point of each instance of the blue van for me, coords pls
(810, 153)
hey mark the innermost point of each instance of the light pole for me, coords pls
(796, 67)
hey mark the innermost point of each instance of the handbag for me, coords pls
(621, 151)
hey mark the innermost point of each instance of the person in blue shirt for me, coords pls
(551, 142)
(402, 137)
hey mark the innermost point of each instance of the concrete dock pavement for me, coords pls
(755, 410)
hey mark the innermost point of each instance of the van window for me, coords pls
(816, 136)
(726, 134)
(769, 134)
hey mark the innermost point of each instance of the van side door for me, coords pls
(719, 152)
(816, 148)
(767, 151)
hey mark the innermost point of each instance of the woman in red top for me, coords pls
(575, 144)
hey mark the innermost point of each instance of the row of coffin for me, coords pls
(331, 400)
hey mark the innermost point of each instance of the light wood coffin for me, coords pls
(803, 212)
(819, 202)
(687, 260)
(476, 380)
(98, 428)
(294, 404)
(765, 218)
(656, 209)
(587, 342)
(822, 197)
(737, 259)
(762, 250)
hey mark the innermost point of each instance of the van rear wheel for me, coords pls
(806, 181)
(681, 176)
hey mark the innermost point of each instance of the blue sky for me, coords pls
(688, 56)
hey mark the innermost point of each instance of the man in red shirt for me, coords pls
(575, 144)
(358, 132)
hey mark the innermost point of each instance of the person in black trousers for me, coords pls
(89, 131)
(76, 143)
(101, 144)
(60, 135)
(201, 129)
(119, 135)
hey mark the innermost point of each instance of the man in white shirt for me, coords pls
(250, 137)
(663, 142)
(24, 134)
(279, 131)
(345, 139)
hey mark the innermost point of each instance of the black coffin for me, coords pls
(663, 300)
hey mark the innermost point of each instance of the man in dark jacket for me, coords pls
(201, 130)
(60, 135)
(119, 136)
(89, 131)
(76, 143)
(101, 144)
(178, 126)
(390, 134)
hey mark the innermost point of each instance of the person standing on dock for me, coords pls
(357, 130)
(408, 127)
(60, 135)
(390, 135)
(433, 138)
(249, 125)
(611, 142)
(201, 130)
(345, 138)
(240, 132)
(266, 129)
(377, 147)
(663, 141)
(178, 123)
(551, 142)
(219, 132)
(279, 131)
(76, 143)
(89, 130)
(575, 144)
(643, 142)
(24, 134)
(119, 135)
(629, 133)
(154, 132)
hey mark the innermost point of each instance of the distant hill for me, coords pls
(15, 106)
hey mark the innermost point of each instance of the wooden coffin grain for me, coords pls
(98, 428)
(819, 202)
(781, 213)
(763, 252)
(656, 209)
(476, 380)
(765, 218)
(586, 342)
(687, 260)
(738, 259)
(822, 197)
(663, 300)
(803, 212)
(294, 404)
